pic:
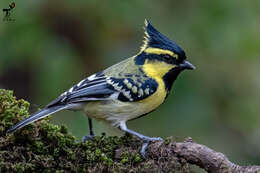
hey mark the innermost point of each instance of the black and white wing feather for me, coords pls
(92, 88)
(101, 87)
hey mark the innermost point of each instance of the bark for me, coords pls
(202, 156)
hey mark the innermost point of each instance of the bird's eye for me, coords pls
(167, 57)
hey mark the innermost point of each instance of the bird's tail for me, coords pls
(36, 116)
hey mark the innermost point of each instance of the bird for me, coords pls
(125, 91)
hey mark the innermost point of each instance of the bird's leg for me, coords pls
(146, 139)
(91, 132)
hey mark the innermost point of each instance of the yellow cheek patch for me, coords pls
(160, 51)
(156, 69)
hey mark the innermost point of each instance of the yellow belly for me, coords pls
(114, 111)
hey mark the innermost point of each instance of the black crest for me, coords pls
(153, 38)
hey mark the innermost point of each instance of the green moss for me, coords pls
(44, 147)
(138, 158)
(167, 140)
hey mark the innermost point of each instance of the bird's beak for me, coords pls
(187, 65)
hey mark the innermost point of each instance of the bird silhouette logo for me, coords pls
(7, 12)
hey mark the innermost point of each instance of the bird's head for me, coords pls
(161, 57)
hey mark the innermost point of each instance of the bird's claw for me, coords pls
(145, 145)
(143, 150)
(87, 138)
(156, 139)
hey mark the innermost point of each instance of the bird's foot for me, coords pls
(147, 140)
(87, 138)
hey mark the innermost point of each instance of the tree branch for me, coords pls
(202, 156)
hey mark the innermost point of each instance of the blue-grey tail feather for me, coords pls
(36, 116)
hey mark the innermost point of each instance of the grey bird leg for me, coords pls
(91, 132)
(90, 127)
(146, 139)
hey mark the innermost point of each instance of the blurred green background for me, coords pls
(53, 44)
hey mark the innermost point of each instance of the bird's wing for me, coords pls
(94, 87)
(101, 87)
(133, 88)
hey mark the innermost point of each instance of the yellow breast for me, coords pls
(152, 102)
(156, 70)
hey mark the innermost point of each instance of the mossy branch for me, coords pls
(44, 147)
